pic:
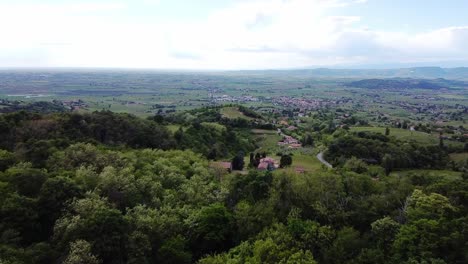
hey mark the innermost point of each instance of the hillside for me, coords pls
(402, 84)
(414, 72)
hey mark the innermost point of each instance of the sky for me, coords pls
(232, 34)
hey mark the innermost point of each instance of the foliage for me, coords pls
(69, 195)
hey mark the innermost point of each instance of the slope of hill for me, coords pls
(416, 72)
(398, 83)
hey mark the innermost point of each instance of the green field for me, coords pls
(173, 128)
(233, 112)
(459, 156)
(403, 134)
(309, 162)
(304, 157)
(267, 140)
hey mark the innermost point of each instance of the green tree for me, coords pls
(355, 165)
(383, 232)
(7, 159)
(80, 253)
(93, 220)
(238, 161)
(55, 194)
(387, 163)
(285, 161)
(211, 230)
(345, 247)
(174, 250)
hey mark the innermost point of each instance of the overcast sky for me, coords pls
(232, 34)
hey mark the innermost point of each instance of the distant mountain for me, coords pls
(415, 72)
(401, 84)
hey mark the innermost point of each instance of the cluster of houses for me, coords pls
(290, 142)
(74, 105)
(229, 98)
(264, 164)
(302, 103)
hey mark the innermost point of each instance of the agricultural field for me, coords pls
(402, 134)
(267, 140)
(407, 135)
(457, 157)
(145, 93)
(233, 112)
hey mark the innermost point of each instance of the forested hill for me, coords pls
(401, 84)
(37, 135)
(109, 188)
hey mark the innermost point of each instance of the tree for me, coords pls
(384, 231)
(27, 181)
(405, 125)
(252, 160)
(387, 163)
(286, 160)
(238, 161)
(92, 219)
(387, 131)
(174, 250)
(308, 140)
(80, 253)
(441, 140)
(429, 232)
(53, 197)
(6, 159)
(345, 247)
(179, 135)
(211, 230)
(355, 165)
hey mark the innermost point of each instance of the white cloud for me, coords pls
(247, 35)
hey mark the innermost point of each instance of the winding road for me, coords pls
(324, 162)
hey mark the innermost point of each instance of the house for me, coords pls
(291, 128)
(268, 163)
(295, 145)
(263, 166)
(290, 141)
(283, 123)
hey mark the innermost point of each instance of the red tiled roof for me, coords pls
(262, 166)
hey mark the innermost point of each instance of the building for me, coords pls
(267, 163)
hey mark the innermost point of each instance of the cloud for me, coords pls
(242, 35)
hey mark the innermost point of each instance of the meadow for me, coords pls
(407, 135)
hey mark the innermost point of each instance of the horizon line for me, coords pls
(19, 68)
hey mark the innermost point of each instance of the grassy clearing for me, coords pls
(264, 132)
(268, 139)
(453, 175)
(214, 125)
(402, 134)
(233, 113)
(309, 162)
(408, 135)
(268, 142)
(173, 128)
(459, 156)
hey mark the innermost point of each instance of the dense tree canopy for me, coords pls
(114, 188)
